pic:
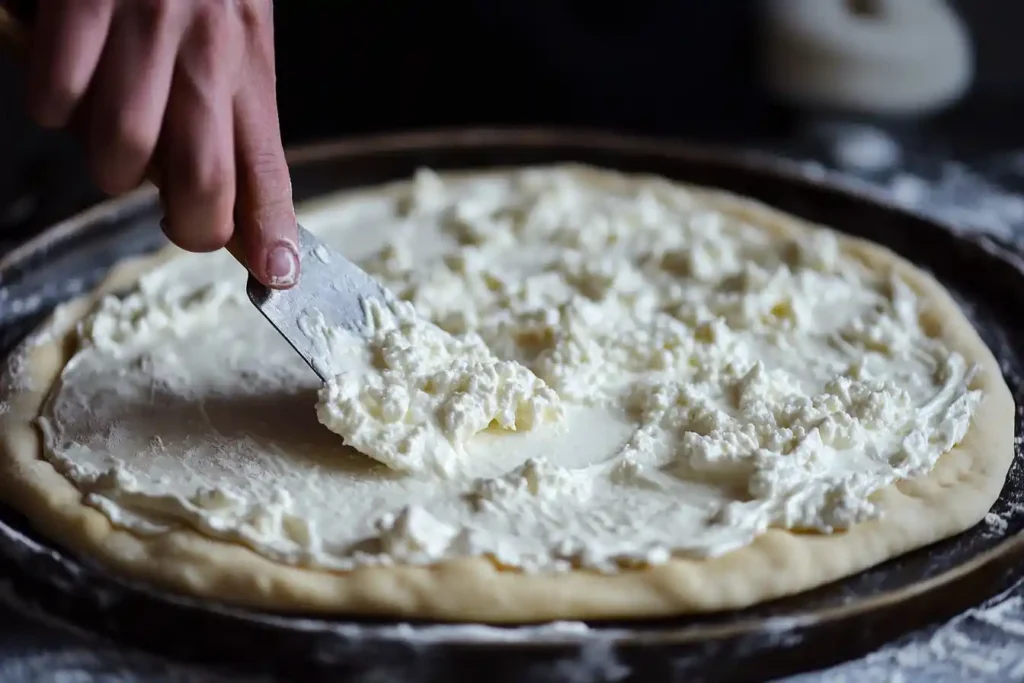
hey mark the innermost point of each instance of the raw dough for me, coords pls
(953, 496)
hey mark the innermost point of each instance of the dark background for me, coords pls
(651, 66)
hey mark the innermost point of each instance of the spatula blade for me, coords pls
(329, 284)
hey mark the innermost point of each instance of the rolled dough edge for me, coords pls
(953, 497)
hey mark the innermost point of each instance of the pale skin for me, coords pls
(180, 92)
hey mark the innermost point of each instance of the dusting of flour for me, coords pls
(982, 644)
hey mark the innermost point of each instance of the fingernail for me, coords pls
(282, 265)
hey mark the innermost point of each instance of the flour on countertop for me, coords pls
(16, 302)
(964, 199)
(982, 644)
(995, 523)
(869, 157)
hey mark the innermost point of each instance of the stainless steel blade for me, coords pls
(329, 283)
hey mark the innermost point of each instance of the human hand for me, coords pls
(181, 92)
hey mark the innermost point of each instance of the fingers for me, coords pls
(182, 92)
(196, 153)
(264, 213)
(132, 84)
(66, 46)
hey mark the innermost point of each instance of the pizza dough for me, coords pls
(746, 406)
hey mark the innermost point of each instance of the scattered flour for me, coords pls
(962, 198)
(995, 523)
(982, 644)
(870, 157)
(16, 302)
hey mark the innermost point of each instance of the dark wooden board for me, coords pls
(820, 627)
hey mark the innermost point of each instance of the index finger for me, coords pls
(264, 212)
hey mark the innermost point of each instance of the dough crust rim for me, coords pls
(953, 497)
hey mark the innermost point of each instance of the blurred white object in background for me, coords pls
(861, 148)
(874, 57)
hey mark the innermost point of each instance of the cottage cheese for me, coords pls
(608, 377)
(411, 396)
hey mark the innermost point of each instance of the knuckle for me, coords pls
(85, 9)
(210, 22)
(207, 40)
(151, 14)
(253, 14)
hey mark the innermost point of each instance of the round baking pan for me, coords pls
(810, 630)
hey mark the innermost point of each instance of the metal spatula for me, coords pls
(329, 284)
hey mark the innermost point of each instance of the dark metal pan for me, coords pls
(810, 630)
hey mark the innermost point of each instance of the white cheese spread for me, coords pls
(411, 395)
(615, 376)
